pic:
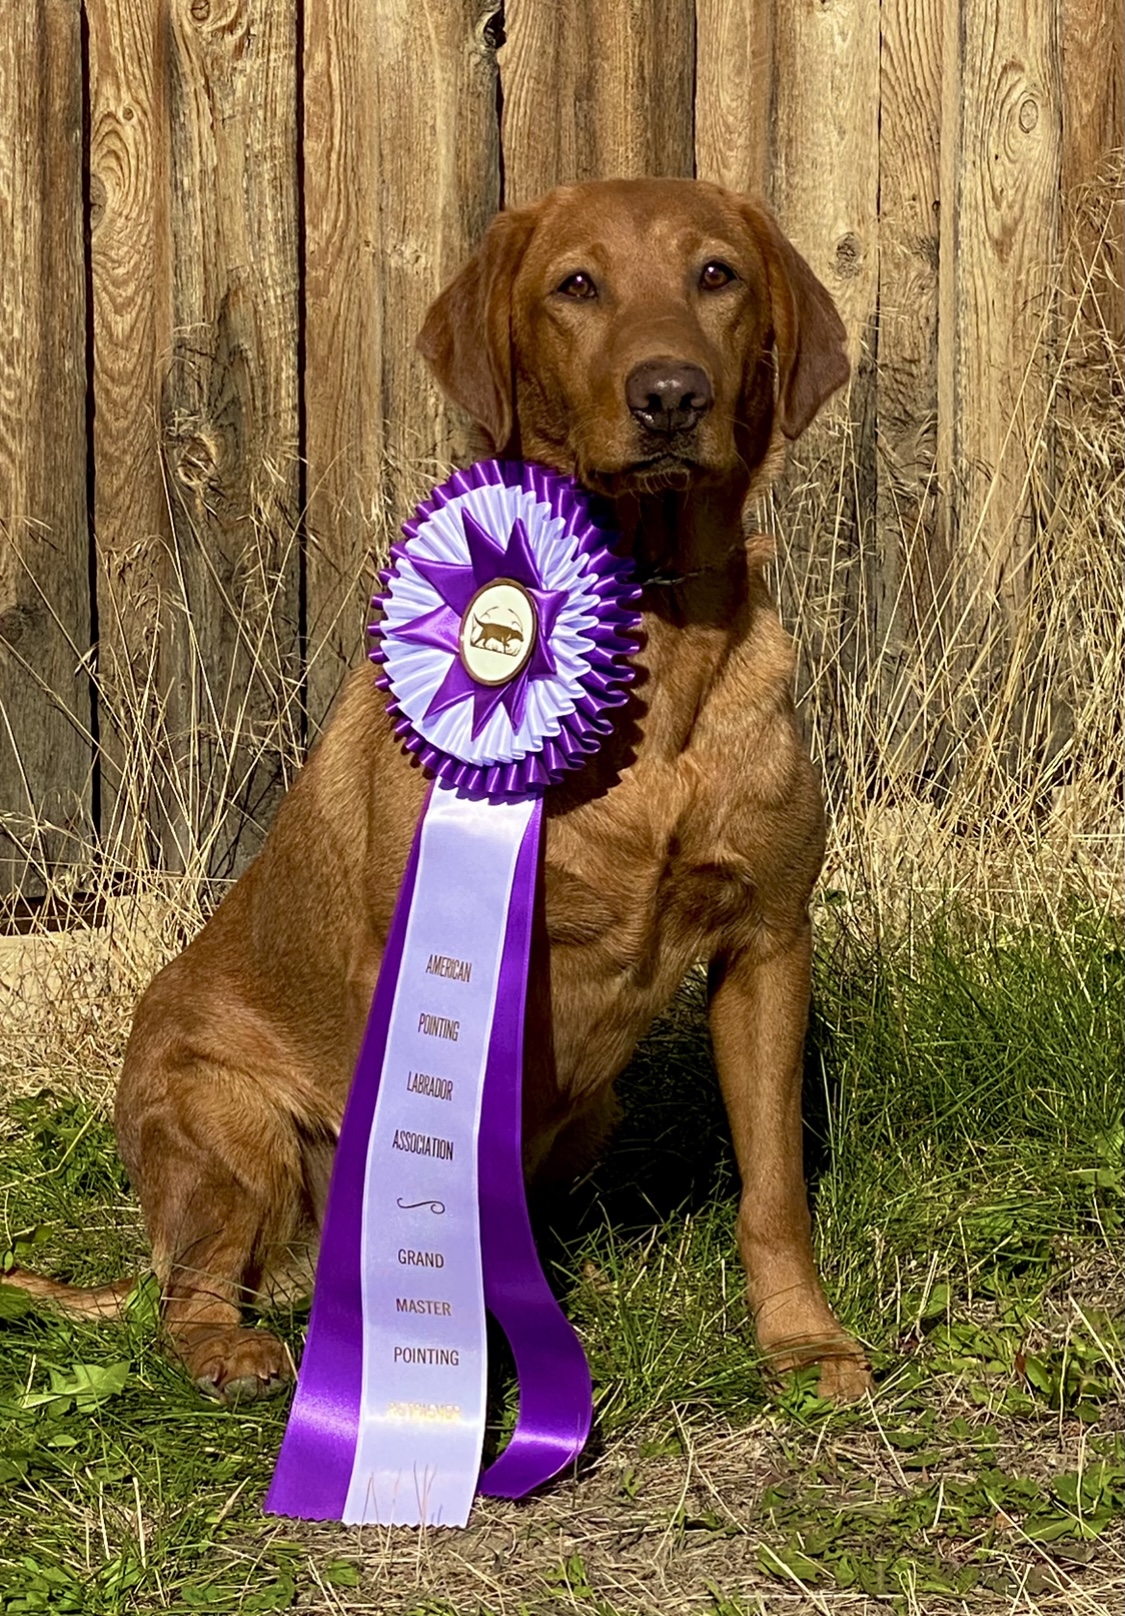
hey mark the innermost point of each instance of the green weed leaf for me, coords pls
(14, 1303)
(341, 1573)
(83, 1386)
(142, 1305)
(790, 1562)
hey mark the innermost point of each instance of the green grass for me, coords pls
(964, 1148)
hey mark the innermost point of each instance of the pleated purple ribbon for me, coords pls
(506, 625)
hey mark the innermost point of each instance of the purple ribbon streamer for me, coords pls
(556, 1404)
(314, 1466)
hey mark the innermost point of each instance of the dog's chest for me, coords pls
(692, 846)
(683, 859)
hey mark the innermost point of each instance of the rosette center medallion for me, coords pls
(498, 631)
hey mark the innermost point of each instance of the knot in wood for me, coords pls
(849, 256)
(98, 198)
(17, 623)
(492, 29)
(200, 10)
(197, 460)
(1029, 114)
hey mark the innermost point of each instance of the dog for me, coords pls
(662, 341)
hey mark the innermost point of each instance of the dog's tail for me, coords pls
(79, 1301)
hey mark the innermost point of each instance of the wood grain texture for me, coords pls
(595, 91)
(1093, 127)
(401, 176)
(1092, 38)
(821, 162)
(906, 575)
(734, 91)
(45, 756)
(1001, 156)
(228, 415)
(808, 77)
(787, 108)
(132, 528)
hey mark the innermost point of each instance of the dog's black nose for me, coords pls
(668, 396)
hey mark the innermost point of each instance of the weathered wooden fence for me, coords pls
(221, 222)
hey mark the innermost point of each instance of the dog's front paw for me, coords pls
(845, 1379)
(845, 1375)
(235, 1365)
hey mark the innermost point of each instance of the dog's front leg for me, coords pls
(759, 1008)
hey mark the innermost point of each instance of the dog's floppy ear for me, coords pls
(809, 335)
(467, 337)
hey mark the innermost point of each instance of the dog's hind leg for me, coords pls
(216, 1163)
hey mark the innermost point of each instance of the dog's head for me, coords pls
(640, 333)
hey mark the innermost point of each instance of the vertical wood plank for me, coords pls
(822, 159)
(1093, 86)
(130, 505)
(734, 87)
(787, 108)
(906, 575)
(228, 416)
(595, 91)
(45, 754)
(999, 242)
(807, 141)
(401, 174)
(1093, 126)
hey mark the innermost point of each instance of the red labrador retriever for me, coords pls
(661, 340)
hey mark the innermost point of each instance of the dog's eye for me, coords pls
(716, 274)
(577, 285)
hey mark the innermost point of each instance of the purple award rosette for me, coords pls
(507, 623)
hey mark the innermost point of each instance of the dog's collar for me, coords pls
(651, 576)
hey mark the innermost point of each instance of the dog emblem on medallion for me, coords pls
(497, 633)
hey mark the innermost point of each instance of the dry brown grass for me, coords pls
(685, 1544)
(977, 751)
